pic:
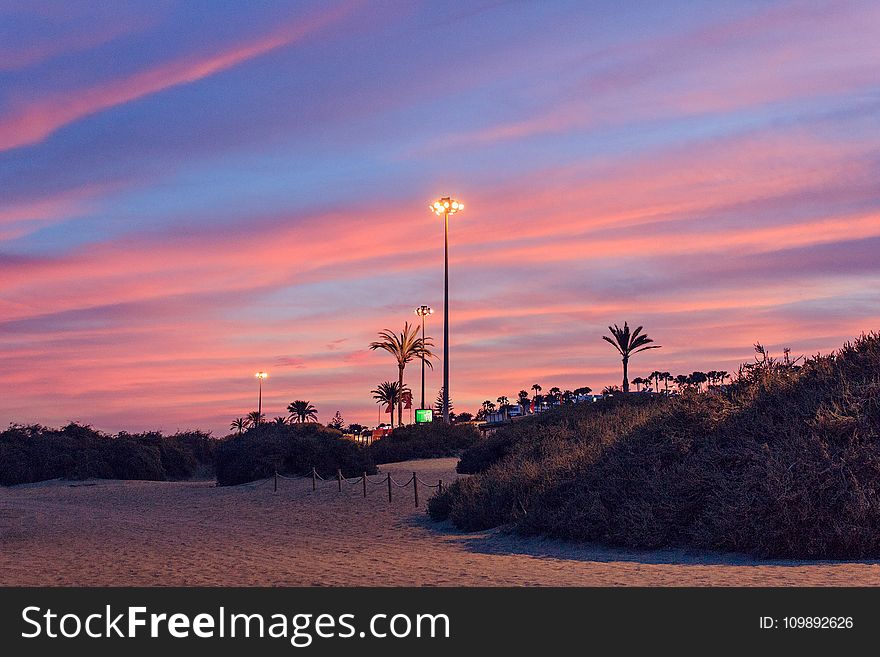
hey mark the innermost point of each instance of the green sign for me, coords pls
(424, 415)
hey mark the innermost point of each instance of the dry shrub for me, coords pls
(786, 463)
(524, 459)
(426, 441)
(36, 453)
(291, 450)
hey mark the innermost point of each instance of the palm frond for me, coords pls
(612, 343)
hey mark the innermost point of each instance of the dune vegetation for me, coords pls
(30, 453)
(289, 449)
(424, 442)
(36, 453)
(784, 462)
(294, 449)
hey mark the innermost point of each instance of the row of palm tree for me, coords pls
(628, 343)
(694, 380)
(554, 397)
(300, 412)
(407, 346)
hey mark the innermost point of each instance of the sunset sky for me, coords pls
(194, 191)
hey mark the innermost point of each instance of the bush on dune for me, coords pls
(291, 450)
(36, 453)
(784, 463)
(523, 459)
(424, 442)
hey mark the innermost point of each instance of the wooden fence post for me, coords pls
(440, 486)
(339, 478)
(416, 488)
(276, 481)
(388, 479)
(313, 479)
(365, 484)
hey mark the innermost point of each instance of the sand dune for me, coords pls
(162, 533)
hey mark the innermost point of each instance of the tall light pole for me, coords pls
(260, 376)
(423, 311)
(446, 206)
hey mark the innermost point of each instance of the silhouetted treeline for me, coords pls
(785, 462)
(36, 453)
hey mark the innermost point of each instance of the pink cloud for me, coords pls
(775, 55)
(34, 121)
(168, 327)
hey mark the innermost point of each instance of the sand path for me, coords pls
(170, 533)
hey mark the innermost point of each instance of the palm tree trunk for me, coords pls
(625, 374)
(399, 396)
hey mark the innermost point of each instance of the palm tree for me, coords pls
(537, 389)
(583, 391)
(239, 424)
(404, 347)
(666, 377)
(522, 398)
(255, 418)
(388, 392)
(722, 374)
(712, 377)
(279, 421)
(682, 381)
(698, 379)
(302, 411)
(628, 345)
(503, 404)
(488, 406)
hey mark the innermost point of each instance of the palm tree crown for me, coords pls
(628, 344)
(239, 424)
(388, 392)
(302, 411)
(405, 347)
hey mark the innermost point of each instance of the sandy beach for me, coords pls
(137, 533)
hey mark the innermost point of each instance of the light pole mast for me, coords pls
(260, 376)
(423, 311)
(446, 206)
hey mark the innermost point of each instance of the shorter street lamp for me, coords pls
(260, 376)
(423, 311)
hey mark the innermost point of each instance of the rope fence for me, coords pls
(364, 479)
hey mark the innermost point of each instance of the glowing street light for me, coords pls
(260, 376)
(446, 206)
(423, 311)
